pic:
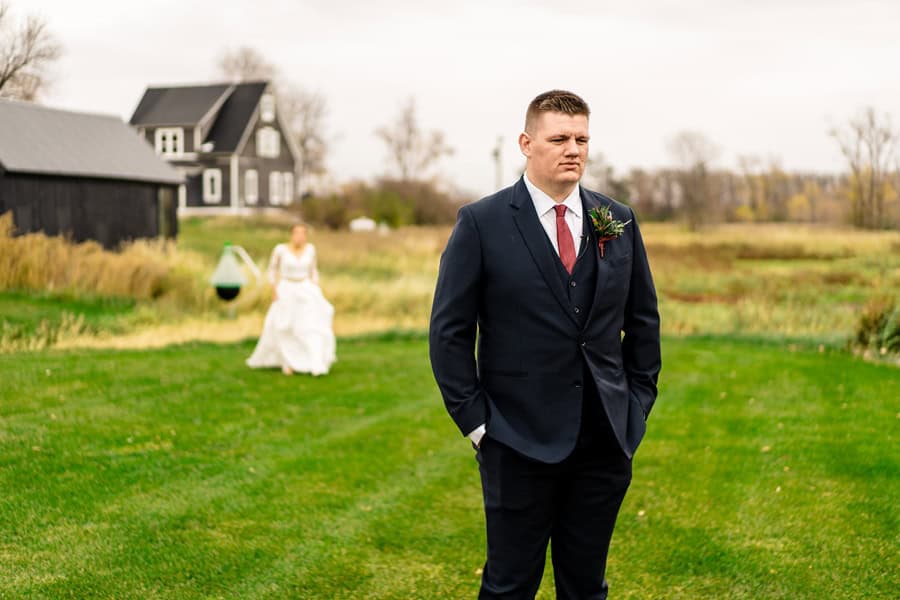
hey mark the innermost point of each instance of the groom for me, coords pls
(567, 358)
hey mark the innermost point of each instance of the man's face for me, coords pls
(556, 148)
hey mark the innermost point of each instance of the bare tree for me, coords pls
(302, 111)
(749, 167)
(868, 143)
(694, 153)
(245, 64)
(410, 150)
(776, 190)
(26, 51)
(600, 175)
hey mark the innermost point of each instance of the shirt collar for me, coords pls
(544, 203)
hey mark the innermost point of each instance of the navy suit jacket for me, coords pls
(498, 277)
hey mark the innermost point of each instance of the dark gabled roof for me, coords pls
(36, 139)
(230, 107)
(235, 115)
(177, 105)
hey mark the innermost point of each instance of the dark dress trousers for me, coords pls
(564, 377)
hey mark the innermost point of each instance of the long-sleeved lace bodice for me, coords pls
(285, 265)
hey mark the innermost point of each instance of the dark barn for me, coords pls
(87, 176)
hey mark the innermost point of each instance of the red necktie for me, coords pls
(564, 239)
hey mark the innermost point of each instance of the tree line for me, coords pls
(757, 191)
(866, 196)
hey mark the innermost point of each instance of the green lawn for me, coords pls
(178, 473)
(29, 320)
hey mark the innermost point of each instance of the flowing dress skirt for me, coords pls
(298, 331)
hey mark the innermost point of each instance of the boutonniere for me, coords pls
(605, 226)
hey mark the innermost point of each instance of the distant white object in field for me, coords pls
(384, 228)
(362, 224)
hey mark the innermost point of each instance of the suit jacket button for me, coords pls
(573, 284)
(577, 310)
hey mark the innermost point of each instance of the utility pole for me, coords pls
(498, 163)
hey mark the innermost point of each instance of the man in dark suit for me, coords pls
(567, 358)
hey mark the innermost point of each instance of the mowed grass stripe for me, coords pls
(179, 493)
(773, 471)
(378, 525)
(766, 474)
(322, 509)
(236, 484)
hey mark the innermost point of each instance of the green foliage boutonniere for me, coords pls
(605, 226)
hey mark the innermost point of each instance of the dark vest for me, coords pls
(580, 286)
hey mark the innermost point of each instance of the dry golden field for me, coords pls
(785, 281)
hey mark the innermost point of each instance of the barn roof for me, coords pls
(228, 107)
(37, 139)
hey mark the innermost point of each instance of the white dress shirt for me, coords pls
(544, 205)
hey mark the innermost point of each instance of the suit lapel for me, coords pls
(526, 219)
(602, 267)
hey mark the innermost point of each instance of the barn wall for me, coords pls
(103, 210)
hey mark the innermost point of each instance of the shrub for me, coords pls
(879, 326)
(395, 202)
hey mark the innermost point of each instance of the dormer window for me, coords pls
(268, 142)
(267, 108)
(170, 141)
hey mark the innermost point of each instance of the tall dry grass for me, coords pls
(375, 281)
(772, 280)
(769, 241)
(793, 280)
(142, 270)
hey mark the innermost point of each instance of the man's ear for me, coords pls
(525, 144)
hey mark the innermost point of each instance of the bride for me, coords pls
(297, 334)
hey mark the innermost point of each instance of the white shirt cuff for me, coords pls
(477, 434)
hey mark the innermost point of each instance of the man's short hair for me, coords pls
(559, 101)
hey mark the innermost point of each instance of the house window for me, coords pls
(212, 186)
(251, 186)
(267, 108)
(268, 142)
(287, 187)
(170, 141)
(275, 188)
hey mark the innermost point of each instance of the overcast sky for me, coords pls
(763, 77)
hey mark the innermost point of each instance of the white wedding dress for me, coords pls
(297, 333)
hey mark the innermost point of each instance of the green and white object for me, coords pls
(228, 278)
